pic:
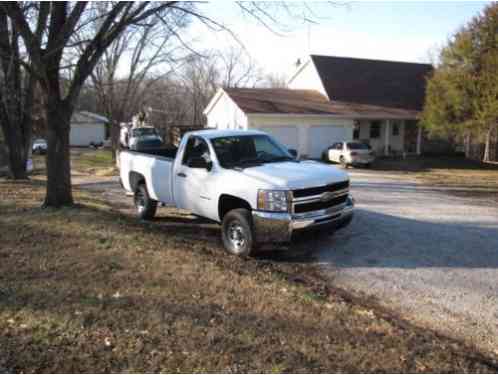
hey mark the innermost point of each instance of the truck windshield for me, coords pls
(246, 150)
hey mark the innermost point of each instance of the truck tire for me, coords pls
(236, 232)
(146, 207)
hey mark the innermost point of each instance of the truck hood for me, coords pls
(294, 175)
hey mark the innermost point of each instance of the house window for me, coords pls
(395, 128)
(375, 129)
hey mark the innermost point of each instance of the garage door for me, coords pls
(287, 135)
(321, 137)
(84, 134)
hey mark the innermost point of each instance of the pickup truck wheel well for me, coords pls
(135, 180)
(228, 203)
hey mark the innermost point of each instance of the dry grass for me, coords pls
(445, 171)
(97, 162)
(83, 162)
(85, 289)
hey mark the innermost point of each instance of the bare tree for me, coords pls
(274, 80)
(55, 25)
(16, 99)
(200, 79)
(130, 67)
(48, 31)
(238, 68)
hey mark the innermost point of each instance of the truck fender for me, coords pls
(135, 180)
(228, 202)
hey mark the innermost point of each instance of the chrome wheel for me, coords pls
(236, 236)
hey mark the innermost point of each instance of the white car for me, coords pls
(39, 146)
(245, 180)
(350, 153)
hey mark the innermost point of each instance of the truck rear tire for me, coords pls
(146, 207)
(236, 232)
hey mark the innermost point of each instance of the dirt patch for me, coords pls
(84, 289)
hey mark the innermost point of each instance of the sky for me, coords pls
(401, 31)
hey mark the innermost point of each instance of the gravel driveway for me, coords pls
(424, 252)
(427, 254)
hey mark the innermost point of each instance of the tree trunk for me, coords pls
(487, 146)
(59, 192)
(18, 143)
(467, 146)
(114, 135)
(15, 155)
(17, 163)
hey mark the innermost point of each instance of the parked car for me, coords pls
(245, 180)
(39, 146)
(349, 153)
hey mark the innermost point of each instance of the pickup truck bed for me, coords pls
(165, 152)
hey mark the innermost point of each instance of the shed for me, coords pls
(88, 128)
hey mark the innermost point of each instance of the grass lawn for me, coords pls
(445, 171)
(84, 161)
(85, 289)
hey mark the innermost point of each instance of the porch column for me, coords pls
(402, 128)
(419, 140)
(388, 133)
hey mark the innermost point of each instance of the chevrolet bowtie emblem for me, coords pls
(327, 196)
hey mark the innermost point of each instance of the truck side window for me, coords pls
(196, 148)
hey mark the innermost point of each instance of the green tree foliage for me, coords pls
(462, 94)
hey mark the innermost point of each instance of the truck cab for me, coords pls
(245, 180)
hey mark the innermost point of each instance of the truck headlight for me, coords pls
(273, 200)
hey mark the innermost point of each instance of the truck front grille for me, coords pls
(319, 205)
(301, 193)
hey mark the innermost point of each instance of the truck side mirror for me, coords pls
(200, 163)
(293, 152)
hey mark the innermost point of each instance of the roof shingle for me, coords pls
(389, 84)
(306, 102)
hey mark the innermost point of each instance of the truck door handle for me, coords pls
(181, 174)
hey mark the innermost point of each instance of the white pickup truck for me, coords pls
(245, 180)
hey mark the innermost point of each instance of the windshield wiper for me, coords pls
(281, 158)
(251, 161)
(256, 161)
(245, 163)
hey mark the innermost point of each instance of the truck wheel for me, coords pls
(146, 207)
(236, 232)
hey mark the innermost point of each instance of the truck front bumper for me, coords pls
(278, 227)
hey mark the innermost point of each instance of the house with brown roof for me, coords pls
(331, 99)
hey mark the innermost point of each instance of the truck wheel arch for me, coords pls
(135, 180)
(228, 202)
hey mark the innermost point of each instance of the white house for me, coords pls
(331, 99)
(87, 128)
